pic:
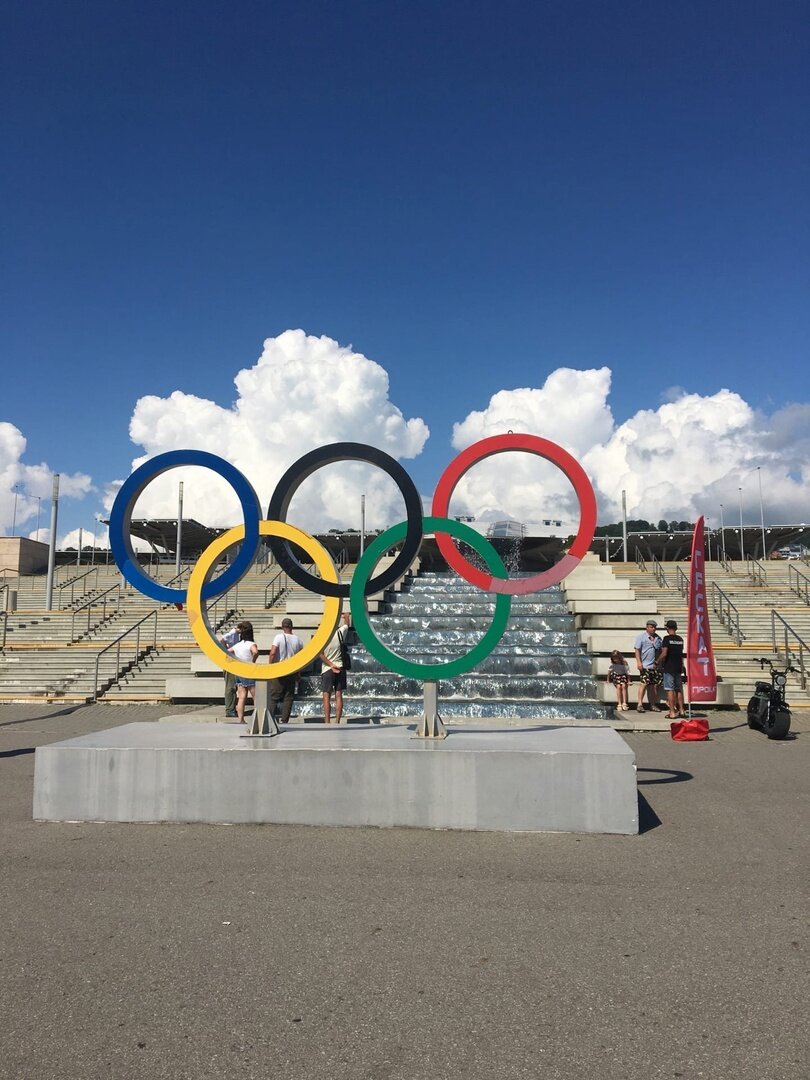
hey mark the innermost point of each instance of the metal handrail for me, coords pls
(681, 581)
(117, 646)
(223, 608)
(802, 586)
(4, 617)
(178, 577)
(727, 612)
(660, 576)
(15, 584)
(72, 584)
(640, 562)
(90, 604)
(727, 565)
(787, 631)
(756, 571)
(279, 584)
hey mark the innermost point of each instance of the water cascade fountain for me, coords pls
(538, 670)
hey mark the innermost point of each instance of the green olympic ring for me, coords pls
(389, 659)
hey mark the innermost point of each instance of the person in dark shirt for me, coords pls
(671, 662)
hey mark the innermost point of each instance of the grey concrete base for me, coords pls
(518, 780)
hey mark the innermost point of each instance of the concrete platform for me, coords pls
(540, 779)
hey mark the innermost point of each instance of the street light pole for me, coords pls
(761, 511)
(179, 537)
(52, 544)
(722, 534)
(742, 545)
(39, 507)
(14, 518)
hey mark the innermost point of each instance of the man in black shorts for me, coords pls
(670, 661)
(333, 675)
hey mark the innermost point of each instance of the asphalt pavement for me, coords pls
(200, 951)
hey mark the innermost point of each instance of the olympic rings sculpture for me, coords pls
(203, 586)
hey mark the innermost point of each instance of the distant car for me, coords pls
(792, 551)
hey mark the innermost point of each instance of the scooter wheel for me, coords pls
(754, 713)
(778, 725)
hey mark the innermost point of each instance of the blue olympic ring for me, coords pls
(121, 518)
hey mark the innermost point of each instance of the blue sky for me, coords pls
(472, 195)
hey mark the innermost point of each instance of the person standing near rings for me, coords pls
(333, 672)
(671, 662)
(282, 689)
(226, 640)
(647, 647)
(247, 651)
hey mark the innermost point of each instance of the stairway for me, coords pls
(754, 598)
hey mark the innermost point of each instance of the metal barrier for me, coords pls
(728, 614)
(789, 633)
(102, 600)
(756, 571)
(640, 563)
(136, 656)
(93, 572)
(801, 586)
(727, 565)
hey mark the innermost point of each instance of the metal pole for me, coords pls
(52, 544)
(362, 524)
(742, 544)
(179, 527)
(39, 507)
(761, 511)
(624, 523)
(14, 518)
(722, 534)
(79, 552)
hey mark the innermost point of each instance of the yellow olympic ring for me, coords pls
(198, 615)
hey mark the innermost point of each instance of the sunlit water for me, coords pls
(538, 669)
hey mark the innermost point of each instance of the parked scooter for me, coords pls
(767, 710)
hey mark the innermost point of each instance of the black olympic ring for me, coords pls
(328, 455)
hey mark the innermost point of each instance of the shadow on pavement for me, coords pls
(67, 711)
(666, 776)
(647, 817)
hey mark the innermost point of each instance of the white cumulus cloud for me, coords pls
(303, 392)
(25, 490)
(680, 460)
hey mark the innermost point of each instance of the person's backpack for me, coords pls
(345, 653)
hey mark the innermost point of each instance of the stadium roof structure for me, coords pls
(534, 551)
(673, 546)
(162, 533)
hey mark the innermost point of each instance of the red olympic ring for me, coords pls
(543, 448)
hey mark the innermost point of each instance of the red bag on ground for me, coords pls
(694, 730)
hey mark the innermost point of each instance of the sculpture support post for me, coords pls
(262, 723)
(431, 726)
